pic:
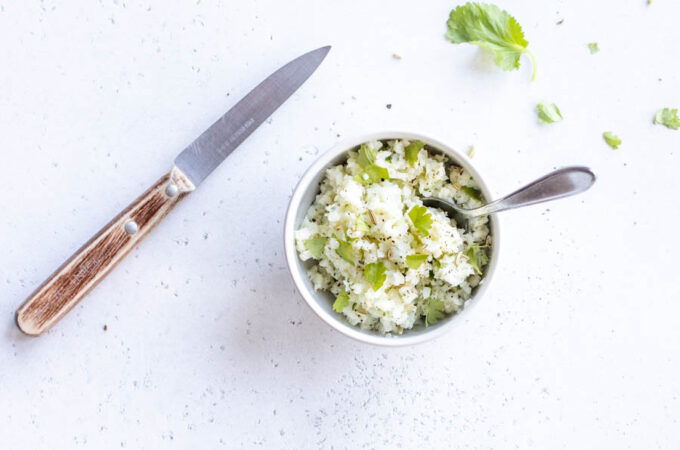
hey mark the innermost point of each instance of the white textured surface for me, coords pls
(207, 343)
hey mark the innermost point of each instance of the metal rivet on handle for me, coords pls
(171, 190)
(131, 227)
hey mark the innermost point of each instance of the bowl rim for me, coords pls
(311, 299)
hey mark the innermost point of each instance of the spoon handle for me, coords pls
(560, 183)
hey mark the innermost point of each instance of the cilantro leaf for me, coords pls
(374, 173)
(593, 47)
(316, 246)
(472, 192)
(411, 151)
(548, 113)
(341, 301)
(371, 173)
(421, 219)
(434, 310)
(366, 156)
(492, 28)
(477, 257)
(375, 274)
(362, 226)
(344, 250)
(611, 139)
(668, 118)
(414, 261)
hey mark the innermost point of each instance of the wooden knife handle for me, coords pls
(93, 261)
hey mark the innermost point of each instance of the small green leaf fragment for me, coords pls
(373, 173)
(421, 219)
(434, 311)
(593, 47)
(350, 239)
(548, 113)
(376, 173)
(668, 118)
(415, 261)
(341, 301)
(472, 192)
(611, 139)
(366, 156)
(477, 257)
(411, 151)
(344, 250)
(316, 246)
(374, 273)
(362, 226)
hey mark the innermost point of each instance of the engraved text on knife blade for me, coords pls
(203, 155)
(222, 149)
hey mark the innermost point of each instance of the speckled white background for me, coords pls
(207, 343)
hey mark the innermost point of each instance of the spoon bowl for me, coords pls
(558, 184)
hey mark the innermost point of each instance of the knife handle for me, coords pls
(94, 260)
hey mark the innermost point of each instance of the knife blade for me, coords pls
(94, 260)
(203, 155)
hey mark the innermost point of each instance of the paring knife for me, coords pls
(92, 262)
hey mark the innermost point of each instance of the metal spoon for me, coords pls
(560, 183)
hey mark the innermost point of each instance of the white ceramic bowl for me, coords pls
(321, 302)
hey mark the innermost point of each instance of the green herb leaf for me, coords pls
(434, 310)
(362, 226)
(341, 301)
(350, 239)
(548, 113)
(366, 156)
(477, 257)
(411, 151)
(611, 139)
(421, 219)
(490, 27)
(668, 118)
(316, 246)
(414, 261)
(593, 47)
(375, 274)
(376, 173)
(372, 174)
(344, 250)
(472, 192)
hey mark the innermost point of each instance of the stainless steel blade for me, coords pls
(203, 155)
